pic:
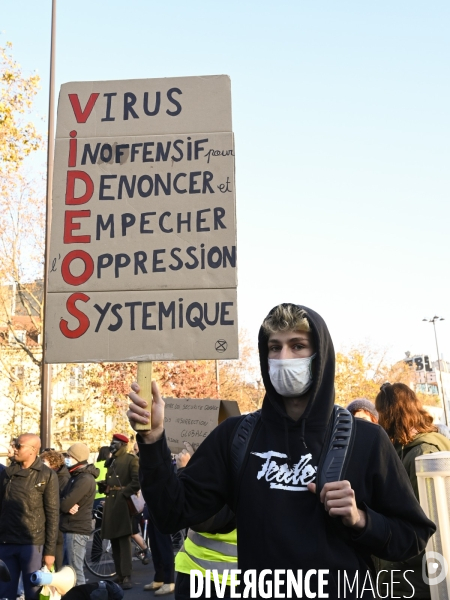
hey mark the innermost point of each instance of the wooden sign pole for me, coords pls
(144, 379)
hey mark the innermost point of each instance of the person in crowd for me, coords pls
(55, 460)
(29, 515)
(76, 507)
(103, 455)
(211, 544)
(410, 428)
(443, 430)
(122, 481)
(283, 520)
(361, 408)
(136, 522)
(162, 557)
(10, 458)
(10, 452)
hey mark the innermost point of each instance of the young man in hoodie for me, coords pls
(76, 507)
(283, 521)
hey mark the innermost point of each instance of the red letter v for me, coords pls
(82, 115)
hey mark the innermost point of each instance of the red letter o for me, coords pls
(88, 267)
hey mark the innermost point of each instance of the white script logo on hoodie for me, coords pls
(281, 477)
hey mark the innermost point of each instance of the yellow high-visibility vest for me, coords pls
(101, 477)
(208, 551)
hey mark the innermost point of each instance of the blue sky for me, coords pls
(340, 111)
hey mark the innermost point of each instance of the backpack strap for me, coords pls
(240, 445)
(339, 448)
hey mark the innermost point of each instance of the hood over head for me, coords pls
(321, 393)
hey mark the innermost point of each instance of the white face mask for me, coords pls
(291, 377)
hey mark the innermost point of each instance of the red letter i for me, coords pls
(73, 150)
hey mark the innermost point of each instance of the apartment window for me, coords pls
(76, 427)
(19, 371)
(76, 378)
(17, 336)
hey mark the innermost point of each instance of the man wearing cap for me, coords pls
(122, 481)
(76, 507)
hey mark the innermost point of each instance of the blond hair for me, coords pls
(286, 317)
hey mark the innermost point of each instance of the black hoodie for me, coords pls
(282, 525)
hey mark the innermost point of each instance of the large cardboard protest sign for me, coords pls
(191, 420)
(143, 238)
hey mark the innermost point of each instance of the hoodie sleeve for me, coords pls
(198, 493)
(397, 528)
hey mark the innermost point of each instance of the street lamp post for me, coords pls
(433, 320)
(46, 370)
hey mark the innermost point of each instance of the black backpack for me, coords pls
(333, 462)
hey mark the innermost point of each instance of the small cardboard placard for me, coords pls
(191, 420)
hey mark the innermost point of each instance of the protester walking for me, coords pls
(29, 516)
(76, 507)
(122, 481)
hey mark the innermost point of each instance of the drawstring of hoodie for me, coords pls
(286, 439)
(302, 431)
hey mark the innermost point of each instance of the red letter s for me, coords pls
(75, 312)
